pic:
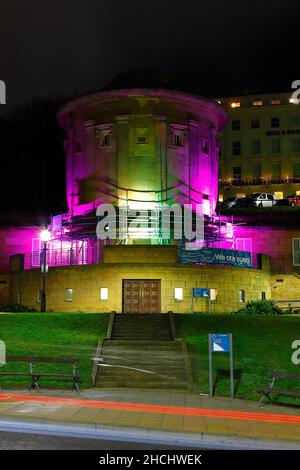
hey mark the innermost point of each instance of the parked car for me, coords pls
(293, 200)
(231, 202)
(258, 200)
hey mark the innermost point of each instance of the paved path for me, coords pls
(154, 410)
(27, 441)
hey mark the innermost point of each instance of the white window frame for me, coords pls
(296, 251)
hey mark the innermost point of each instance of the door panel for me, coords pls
(141, 296)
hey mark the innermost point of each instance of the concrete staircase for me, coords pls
(141, 352)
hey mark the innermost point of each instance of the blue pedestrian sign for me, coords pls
(220, 342)
(200, 292)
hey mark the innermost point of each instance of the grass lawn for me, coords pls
(260, 344)
(52, 335)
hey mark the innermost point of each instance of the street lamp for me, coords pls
(45, 237)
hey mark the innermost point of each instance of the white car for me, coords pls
(259, 200)
(230, 202)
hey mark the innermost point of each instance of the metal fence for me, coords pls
(259, 181)
(70, 257)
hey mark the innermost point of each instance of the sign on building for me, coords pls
(200, 292)
(241, 259)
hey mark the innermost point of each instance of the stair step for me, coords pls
(145, 385)
(142, 353)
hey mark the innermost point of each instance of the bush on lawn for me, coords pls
(260, 307)
(16, 308)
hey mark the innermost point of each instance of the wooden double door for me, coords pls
(141, 296)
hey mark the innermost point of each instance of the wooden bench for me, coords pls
(36, 375)
(271, 388)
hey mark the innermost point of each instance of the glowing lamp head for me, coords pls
(45, 235)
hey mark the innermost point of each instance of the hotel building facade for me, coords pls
(261, 146)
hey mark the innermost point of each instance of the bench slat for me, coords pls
(285, 375)
(281, 390)
(55, 375)
(51, 360)
(2, 374)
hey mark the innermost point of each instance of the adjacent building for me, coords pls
(261, 146)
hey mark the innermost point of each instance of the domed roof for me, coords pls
(140, 79)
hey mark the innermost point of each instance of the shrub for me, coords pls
(16, 308)
(260, 307)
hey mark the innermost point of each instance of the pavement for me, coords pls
(155, 411)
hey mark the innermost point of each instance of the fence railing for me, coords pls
(279, 263)
(71, 257)
(259, 181)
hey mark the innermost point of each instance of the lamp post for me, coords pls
(45, 237)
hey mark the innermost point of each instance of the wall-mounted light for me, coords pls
(103, 293)
(178, 293)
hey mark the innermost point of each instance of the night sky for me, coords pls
(52, 50)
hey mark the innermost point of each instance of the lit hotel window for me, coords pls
(278, 195)
(257, 103)
(178, 293)
(236, 104)
(276, 101)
